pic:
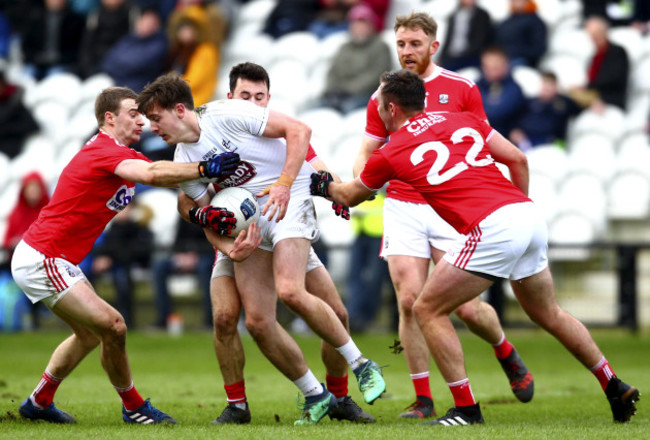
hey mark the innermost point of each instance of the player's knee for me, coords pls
(466, 313)
(290, 295)
(406, 302)
(259, 326)
(225, 324)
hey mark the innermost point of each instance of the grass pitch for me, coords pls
(182, 378)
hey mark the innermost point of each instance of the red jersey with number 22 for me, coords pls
(446, 91)
(444, 156)
(88, 195)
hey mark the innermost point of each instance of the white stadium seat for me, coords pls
(255, 11)
(542, 190)
(529, 79)
(324, 122)
(609, 123)
(93, 85)
(329, 46)
(62, 88)
(628, 196)
(549, 160)
(256, 48)
(592, 153)
(441, 10)
(571, 71)
(164, 222)
(53, 119)
(584, 194)
(570, 229)
(299, 46)
(4, 172)
(289, 82)
(630, 39)
(574, 42)
(640, 79)
(498, 10)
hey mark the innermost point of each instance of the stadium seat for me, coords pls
(4, 173)
(330, 45)
(636, 114)
(324, 122)
(9, 193)
(164, 222)
(399, 7)
(630, 38)
(571, 70)
(53, 118)
(592, 153)
(317, 78)
(574, 42)
(439, 9)
(570, 16)
(38, 155)
(610, 123)
(388, 35)
(549, 160)
(62, 88)
(82, 125)
(570, 229)
(634, 154)
(283, 106)
(344, 152)
(256, 48)
(640, 80)
(298, 46)
(354, 123)
(255, 11)
(542, 191)
(628, 196)
(93, 85)
(550, 11)
(584, 194)
(289, 82)
(498, 10)
(529, 79)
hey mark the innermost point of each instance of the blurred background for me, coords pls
(582, 118)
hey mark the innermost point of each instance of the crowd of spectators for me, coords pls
(134, 41)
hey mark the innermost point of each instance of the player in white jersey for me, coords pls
(414, 234)
(276, 172)
(250, 82)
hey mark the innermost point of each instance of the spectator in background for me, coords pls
(192, 54)
(127, 243)
(138, 58)
(105, 26)
(352, 76)
(503, 99)
(522, 35)
(191, 253)
(469, 33)
(51, 39)
(608, 70)
(5, 36)
(368, 272)
(16, 121)
(211, 14)
(290, 16)
(641, 16)
(545, 118)
(332, 16)
(33, 196)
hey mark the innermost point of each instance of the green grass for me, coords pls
(182, 378)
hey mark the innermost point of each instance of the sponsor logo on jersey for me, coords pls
(418, 125)
(443, 98)
(228, 145)
(244, 172)
(121, 198)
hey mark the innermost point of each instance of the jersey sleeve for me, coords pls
(195, 189)
(375, 127)
(377, 171)
(474, 102)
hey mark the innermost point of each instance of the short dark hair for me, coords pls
(547, 74)
(110, 100)
(248, 71)
(404, 88)
(166, 91)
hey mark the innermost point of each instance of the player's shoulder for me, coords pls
(451, 77)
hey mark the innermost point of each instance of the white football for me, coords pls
(240, 201)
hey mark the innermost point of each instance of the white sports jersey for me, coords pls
(237, 125)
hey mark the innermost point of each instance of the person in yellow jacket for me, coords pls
(193, 52)
(368, 272)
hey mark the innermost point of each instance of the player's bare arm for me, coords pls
(160, 173)
(505, 152)
(297, 135)
(368, 145)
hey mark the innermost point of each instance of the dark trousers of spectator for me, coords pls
(367, 277)
(162, 269)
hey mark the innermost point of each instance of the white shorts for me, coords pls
(224, 266)
(512, 242)
(412, 228)
(43, 278)
(298, 222)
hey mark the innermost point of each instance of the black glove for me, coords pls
(320, 183)
(220, 220)
(219, 166)
(341, 210)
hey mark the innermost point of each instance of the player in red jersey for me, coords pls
(449, 158)
(250, 82)
(414, 233)
(96, 185)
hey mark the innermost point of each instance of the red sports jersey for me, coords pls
(445, 158)
(87, 196)
(445, 91)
